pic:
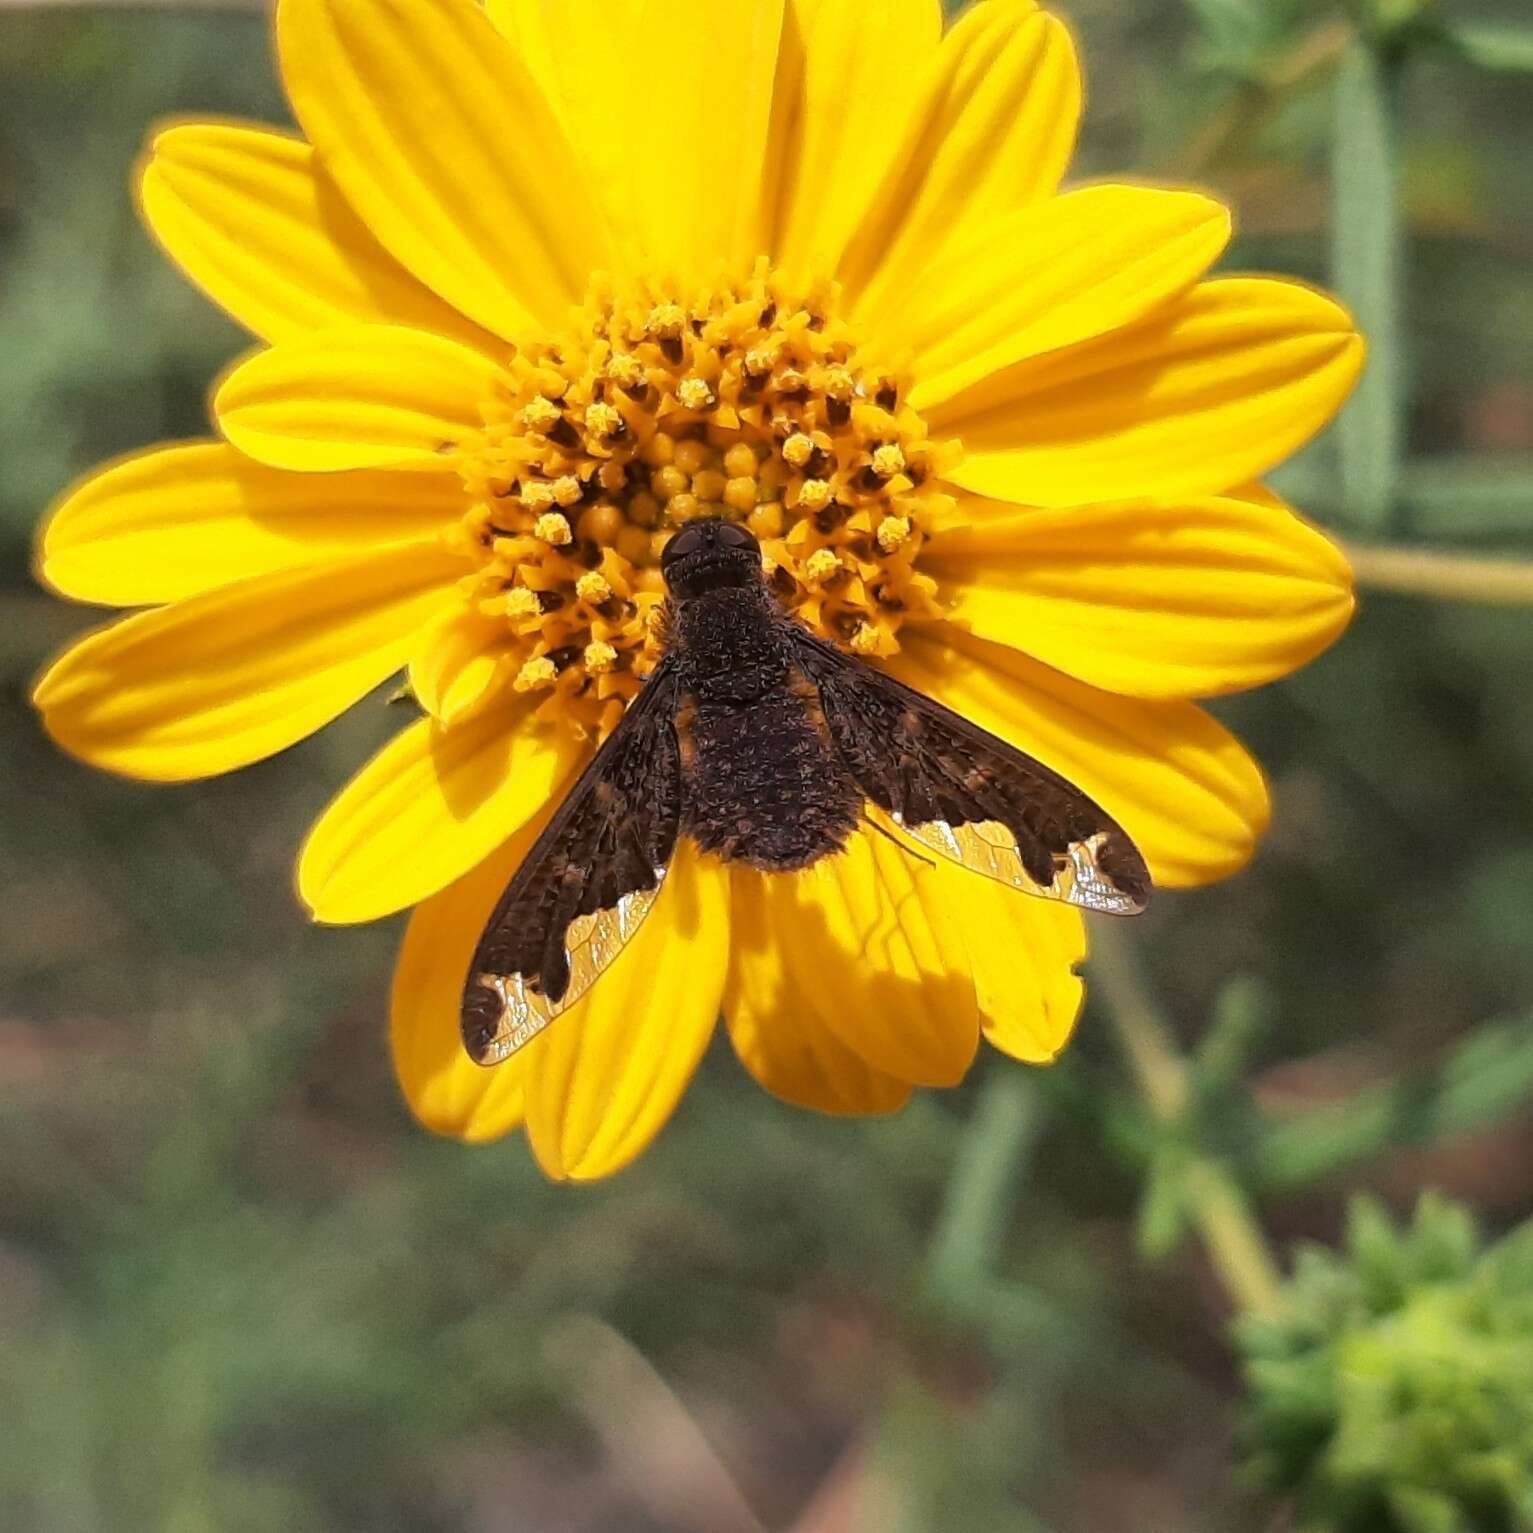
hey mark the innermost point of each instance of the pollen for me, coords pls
(599, 657)
(752, 400)
(537, 672)
(541, 414)
(798, 449)
(627, 371)
(519, 602)
(552, 528)
(666, 321)
(694, 394)
(814, 494)
(865, 639)
(838, 383)
(821, 565)
(602, 420)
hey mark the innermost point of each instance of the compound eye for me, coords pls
(732, 535)
(687, 541)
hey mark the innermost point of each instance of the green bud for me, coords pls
(1391, 1393)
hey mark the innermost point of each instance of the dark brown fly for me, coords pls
(768, 746)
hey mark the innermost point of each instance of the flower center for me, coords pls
(752, 402)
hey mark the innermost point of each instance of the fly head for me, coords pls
(710, 554)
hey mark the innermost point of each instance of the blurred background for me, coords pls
(240, 1290)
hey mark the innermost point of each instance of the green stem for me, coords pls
(1367, 271)
(1233, 1239)
(992, 1159)
(1225, 1222)
(1442, 576)
(1231, 128)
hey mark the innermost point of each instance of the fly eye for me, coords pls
(709, 532)
(731, 535)
(687, 541)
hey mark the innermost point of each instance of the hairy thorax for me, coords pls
(765, 785)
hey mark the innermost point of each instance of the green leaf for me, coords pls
(1488, 1075)
(1163, 1210)
(1492, 47)
(1242, 1013)
(1376, 1252)
(1443, 1242)
(1424, 1511)
(993, 1159)
(1236, 36)
(1388, 1393)
(1366, 266)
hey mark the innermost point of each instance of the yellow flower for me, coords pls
(546, 279)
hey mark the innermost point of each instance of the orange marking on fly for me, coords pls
(801, 687)
(686, 745)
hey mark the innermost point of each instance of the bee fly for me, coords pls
(768, 746)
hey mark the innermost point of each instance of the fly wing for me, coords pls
(968, 796)
(585, 886)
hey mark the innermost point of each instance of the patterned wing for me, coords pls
(585, 886)
(969, 796)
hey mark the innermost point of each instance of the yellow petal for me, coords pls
(364, 396)
(226, 678)
(1211, 390)
(179, 520)
(860, 81)
(430, 805)
(1023, 952)
(1050, 276)
(581, 53)
(992, 131)
(770, 1009)
(1181, 785)
(446, 1090)
(1182, 598)
(1260, 495)
(863, 947)
(248, 215)
(439, 137)
(785, 130)
(460, 663)
(603, 1079)
(702, 73)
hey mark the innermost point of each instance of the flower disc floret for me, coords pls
(752, 402)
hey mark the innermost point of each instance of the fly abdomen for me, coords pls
(764, 785)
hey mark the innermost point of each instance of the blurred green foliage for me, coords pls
(240, 1290)
(1393, 1392)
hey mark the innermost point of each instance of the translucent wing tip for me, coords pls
(1103, 873)
(501, 1014)
(1089, 882)
(505, 1012)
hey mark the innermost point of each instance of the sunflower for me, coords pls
(543, 281)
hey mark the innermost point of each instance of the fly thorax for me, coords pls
(727, 644)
